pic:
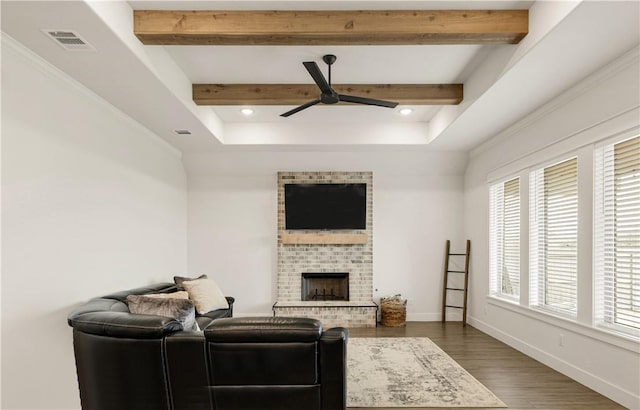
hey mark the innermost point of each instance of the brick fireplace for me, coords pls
(324, 258)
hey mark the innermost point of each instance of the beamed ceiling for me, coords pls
(467, 69)
(331, 27)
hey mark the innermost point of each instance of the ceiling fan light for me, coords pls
(246, 111)
(406, 111)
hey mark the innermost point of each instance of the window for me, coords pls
(617, 235)
(553, 228)
(505, 239)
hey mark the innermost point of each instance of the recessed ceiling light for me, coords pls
(183, 132)
(246, 111)
(406, 111)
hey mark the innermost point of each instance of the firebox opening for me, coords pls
(325, 286)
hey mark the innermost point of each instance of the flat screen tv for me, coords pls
(325, 206)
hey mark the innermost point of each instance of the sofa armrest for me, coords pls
(336, 333)
(333, 365)
(91, 319)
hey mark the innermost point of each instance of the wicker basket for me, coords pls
(393, 312)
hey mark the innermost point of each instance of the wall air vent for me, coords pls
(69, 40)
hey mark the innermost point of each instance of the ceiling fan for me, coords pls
(328, 94)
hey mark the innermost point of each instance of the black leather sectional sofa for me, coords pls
(127, 361)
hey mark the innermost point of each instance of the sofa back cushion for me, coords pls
(263, 364)
(164, 287)
(264, 329)
(263, 351)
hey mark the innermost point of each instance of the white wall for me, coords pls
(92, 203)
(602, 105)
(232, 220)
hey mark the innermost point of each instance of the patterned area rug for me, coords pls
(409, 372)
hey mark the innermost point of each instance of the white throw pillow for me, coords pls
(205, 295)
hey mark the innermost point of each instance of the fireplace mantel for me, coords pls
(325, 238)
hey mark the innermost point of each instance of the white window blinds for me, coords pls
(553, 228)
(617, 234)
(505, 238)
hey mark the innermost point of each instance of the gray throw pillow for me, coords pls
(181, 294)
(182, 310)
(179, 279)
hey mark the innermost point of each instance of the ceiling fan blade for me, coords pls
(367, 101)
(300, 108)
(317, 76)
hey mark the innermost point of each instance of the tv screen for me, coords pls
(325, 206)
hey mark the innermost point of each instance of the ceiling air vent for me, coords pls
(69, 40)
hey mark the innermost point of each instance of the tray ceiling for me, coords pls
(152, 83)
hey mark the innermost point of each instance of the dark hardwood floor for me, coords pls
(518, 380)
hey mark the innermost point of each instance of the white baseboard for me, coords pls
(615, 393)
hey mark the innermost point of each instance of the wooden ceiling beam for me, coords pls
(371, 27)
(296, 94)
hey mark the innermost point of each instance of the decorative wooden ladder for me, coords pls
(445, 286)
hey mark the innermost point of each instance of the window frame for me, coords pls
(538, 274)
(602, 319)
(496, 239)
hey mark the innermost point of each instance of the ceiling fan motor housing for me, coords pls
(329, 59)
(329, 98)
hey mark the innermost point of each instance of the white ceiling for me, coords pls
(355, 64)
(567, 40)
